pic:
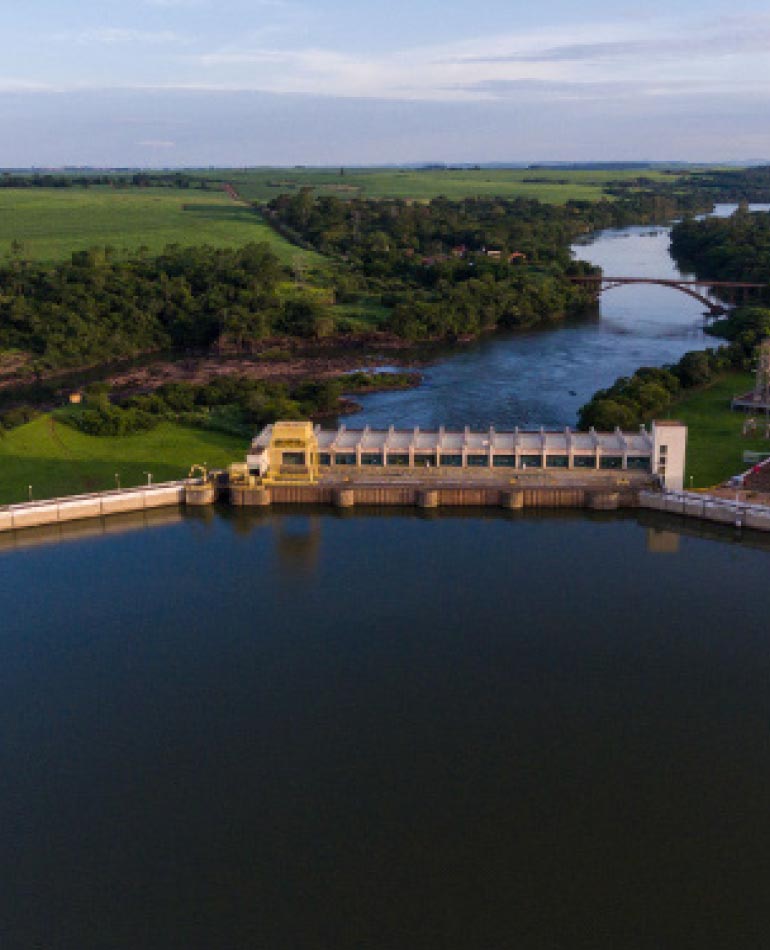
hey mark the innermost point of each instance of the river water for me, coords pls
(543, 377)
(368, 731)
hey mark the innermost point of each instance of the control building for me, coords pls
(298, 451)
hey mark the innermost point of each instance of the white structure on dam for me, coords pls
(297, 450)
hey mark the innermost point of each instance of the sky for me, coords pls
(284, 82)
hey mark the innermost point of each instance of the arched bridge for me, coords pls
(734, 291)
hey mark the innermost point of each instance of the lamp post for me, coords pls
(117, 480)
(149, 477)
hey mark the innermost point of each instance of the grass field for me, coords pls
(551, 185)
(52, 223)
(58, 460)
(715, 445)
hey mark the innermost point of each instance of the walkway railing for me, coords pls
(709, 508)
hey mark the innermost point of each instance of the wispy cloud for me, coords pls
(661, 54)
(156, 143)
(120, 36)
(751, 38)
(608, 61)
(169, 4)
(9, 84)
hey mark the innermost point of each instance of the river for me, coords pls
(543, 377)
(375, 731)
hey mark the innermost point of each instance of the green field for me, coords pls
(52, 223)
(553, 185)
(715, 445)
(58, 460)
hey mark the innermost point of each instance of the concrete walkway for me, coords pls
(739, 513)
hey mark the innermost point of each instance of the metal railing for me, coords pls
(93, 496)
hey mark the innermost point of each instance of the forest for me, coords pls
(734, 248)
(456, 268)
(93, 308)
(383, 236)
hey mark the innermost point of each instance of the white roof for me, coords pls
(474, 442)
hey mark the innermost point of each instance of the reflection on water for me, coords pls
(310, 730)
(660, 541)
(89, 528)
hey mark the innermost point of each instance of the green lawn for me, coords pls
(58, 460)
(553, 185)
(715, 444)
(52, 223)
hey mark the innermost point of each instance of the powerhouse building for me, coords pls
(299, 450)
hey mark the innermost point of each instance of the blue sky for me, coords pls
(249, 82)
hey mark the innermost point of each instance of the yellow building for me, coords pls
(289, 453)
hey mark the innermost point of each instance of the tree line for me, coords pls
(734, 248)
(633, 400)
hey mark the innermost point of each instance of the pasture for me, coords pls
(56, 459)
(715, 445)
(551, 185)
(52, 223)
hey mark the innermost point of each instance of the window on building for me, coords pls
(557, 461)
(532, 461)
(396, 459)
(424, 461)
(584, 461)
(637, 463)
(504, 461)
(324, 458)
(345, 458)
(611, 462)
(452, 461)
(293, 458)
(478, 461)
(371, 458)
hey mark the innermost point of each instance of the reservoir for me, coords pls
(381, 730)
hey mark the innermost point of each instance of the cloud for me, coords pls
(532, 90)
(689, 46)
(156, 143)
(662, 55)
(119, 36)
(589, 61)
(168, 4)
(9, 84)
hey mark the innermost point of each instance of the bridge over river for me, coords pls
(734, 291)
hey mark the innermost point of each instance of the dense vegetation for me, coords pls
(457, 268)
(236, 405)
(632, 401)
(95, 309)
(734, 248)
(139, 179)
(381, 235)
(737, 184)
(232, 404)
